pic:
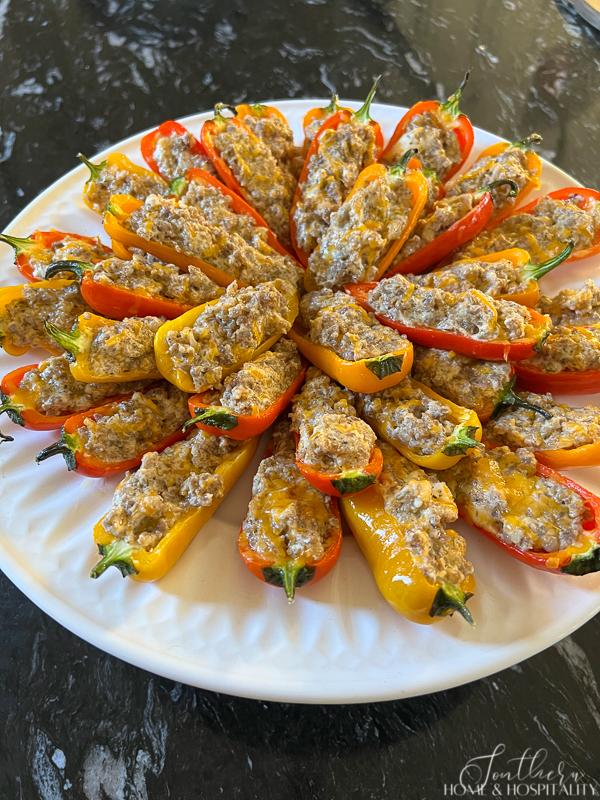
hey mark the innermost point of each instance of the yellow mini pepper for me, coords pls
(150, 565)
(397, 573)
(9, 294)
(78, 342)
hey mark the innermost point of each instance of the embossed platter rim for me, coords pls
(209, 623)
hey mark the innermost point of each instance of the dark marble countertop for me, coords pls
(80, 74)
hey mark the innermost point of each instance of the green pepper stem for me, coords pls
(19, 243)
(12, 411)
(334, 103)
(451, 106)
(461, 441)
(514, 188)
(527, 142)
(363, 113)
(68, 341)
(400, 167)
(178, 186)
(75, 267)
(4, 437)
(95, 169)
(215, 416)
(448, 599)
(510, 399)
(64, 447)
(116, 554)
(536, 271)
(220, 107)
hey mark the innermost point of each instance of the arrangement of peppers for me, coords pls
(458, 123)
(488, 350)
(42, 242)
(76, 456)
(220, 421)
(151, 565)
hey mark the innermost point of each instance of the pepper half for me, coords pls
(166, 129)
(151, 565)
(342, 484)
(8, 294)
(120, 208)
(237, 204)
(465, 436)
(73, 450)
(77, 343)
(113, 301)
(116, 160)
(458, 234)
(460, 125)
(291, 574)
(182, 379)
(320, 115)
(364, 375)
(332, 123)
(397, 573)
(568, 193)
(564, 382)
(220, 421)
(494, 350)
(43, 241)
(533, 164)
(580, 558)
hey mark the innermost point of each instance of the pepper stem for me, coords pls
(95, 169)
(215, 416)
(19, 243)
(68, 341)
(220, 107)
(64, 447)
(510, 399)
(451, 106)
(400, 167)
(525, 144)
(178, 186)
(116, 554)
(363, 113)
(514, 188)
(334, 103)
(448, 599)
(536, 271)
(12, 411)
(461, 441)
(76, 267)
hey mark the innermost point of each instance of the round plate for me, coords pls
(209, 622)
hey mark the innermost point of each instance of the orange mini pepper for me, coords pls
(341, 484)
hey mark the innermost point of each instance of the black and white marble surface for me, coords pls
(80, 74)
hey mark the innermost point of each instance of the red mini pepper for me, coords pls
(342, 484)
(18, 405)
(116, 302)
(220, 421)
(74, 452)
(458, 123)
(568, 193)
(494, 350)
(166, 129)
(332, 123)
(237, 203)
(580, 558)
(458, 234)
(564, 382)
(292, 574)
(25, 247)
